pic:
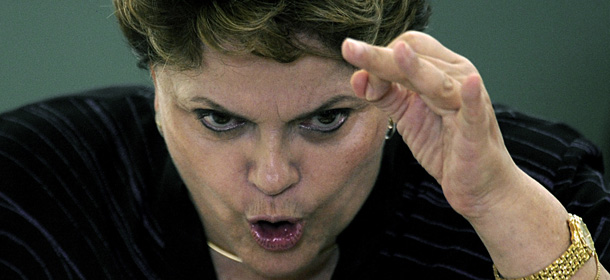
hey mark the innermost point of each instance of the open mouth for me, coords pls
(278, 235)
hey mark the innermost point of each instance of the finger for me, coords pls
(359, 82)
(472, 103)
(440, 90)
(476, 109)
(392, 100)
(425, 45)
(376, 60)
(369, 87)
(403, 66)
(363, 83)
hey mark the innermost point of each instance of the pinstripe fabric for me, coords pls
(87, 190)
(81, 196)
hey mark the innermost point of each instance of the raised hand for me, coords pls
(443, 112)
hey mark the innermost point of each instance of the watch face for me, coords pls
(586, 235)
(580, 231)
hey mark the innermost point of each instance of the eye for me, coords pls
(326, 121)
(218, 122)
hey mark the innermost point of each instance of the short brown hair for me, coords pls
(175, 32)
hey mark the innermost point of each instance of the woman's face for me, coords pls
(278, 157)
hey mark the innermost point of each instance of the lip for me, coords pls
(276, 233)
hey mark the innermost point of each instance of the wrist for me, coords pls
(523, 229)
(579, 253)
(508, 196)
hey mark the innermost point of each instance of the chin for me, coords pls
(286, 265)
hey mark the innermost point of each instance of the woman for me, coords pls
(282, 157)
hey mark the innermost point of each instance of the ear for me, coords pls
(153, 75)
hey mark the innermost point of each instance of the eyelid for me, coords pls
(203, 113)
(339, 111)
(322, 111)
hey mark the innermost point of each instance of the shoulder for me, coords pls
(543, 147)
(102, 108)
(79, 136)
(566, 163)
(77, 123)
(75, 171)
(78, 108)
(429, 234)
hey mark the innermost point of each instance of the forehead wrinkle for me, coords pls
(334, 90)
(246, 79)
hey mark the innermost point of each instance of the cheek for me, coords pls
(343, 176)
(343, 165)
(210, 170)
(353, 157)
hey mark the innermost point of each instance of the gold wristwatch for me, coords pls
(579, 252)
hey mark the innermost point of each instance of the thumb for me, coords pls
(387, 96)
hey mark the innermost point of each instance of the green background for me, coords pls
(547, 58)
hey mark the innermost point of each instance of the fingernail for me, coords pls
(373, 94)
(369, 94)
(406, 50)
(410, 52)
(355, 47)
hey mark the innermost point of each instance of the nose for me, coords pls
(271, 170)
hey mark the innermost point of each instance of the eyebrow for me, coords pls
(325, 106)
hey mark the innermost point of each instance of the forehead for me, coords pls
(241, 82)
(308, 71)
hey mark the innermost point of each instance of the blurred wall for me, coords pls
(49, 48)
(547, 58)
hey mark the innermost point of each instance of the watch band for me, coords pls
(579, 252)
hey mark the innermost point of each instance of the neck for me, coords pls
(229, 266)
(224, 253)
